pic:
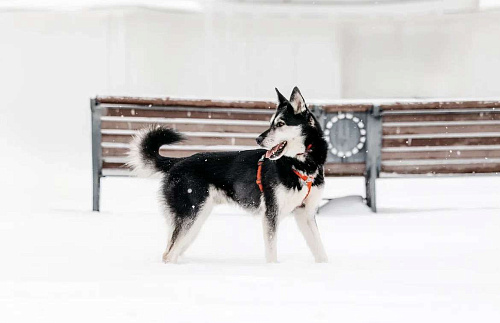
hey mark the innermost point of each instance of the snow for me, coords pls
(430, 255)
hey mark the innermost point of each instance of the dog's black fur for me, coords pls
(187, 182)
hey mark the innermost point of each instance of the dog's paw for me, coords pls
(321, 260)
(168, 259)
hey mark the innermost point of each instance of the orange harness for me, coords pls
(259, 173)
(308, 179)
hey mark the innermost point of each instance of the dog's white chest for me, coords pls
(289, 199)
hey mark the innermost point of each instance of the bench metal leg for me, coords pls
(96, 193)
(96, 155)
(373, 155)
(371, 200)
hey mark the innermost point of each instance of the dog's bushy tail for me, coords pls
(144, 153)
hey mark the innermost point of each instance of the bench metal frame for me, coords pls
(373, 155)
(96, 112)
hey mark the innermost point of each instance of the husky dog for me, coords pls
(285, 177)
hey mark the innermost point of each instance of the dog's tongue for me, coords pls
(271, 151)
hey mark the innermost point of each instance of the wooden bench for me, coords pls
(369, 140)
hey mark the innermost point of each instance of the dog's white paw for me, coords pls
(321, 260)
(168, 259)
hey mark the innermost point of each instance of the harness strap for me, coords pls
(308, 179)
(259, 173)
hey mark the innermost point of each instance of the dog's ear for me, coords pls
(297, 101)
(281, 98)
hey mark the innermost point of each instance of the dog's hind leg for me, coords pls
(181, 236)
(185, 231)
(169, 254)
(196, 227)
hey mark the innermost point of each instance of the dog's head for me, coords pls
(290, 126)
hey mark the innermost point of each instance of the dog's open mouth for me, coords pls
(277, 151)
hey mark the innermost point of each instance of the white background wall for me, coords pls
(419, 57)
(51, 63)
(219, 55)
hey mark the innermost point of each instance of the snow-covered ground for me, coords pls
(432, 254)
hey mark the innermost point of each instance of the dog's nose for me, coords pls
(259, 140)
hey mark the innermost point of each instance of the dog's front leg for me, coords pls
(270, 225)
(306, 221)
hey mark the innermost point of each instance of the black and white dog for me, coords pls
(285, 177)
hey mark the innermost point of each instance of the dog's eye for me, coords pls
(280, 124)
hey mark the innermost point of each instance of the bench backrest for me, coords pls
(441, 137)
(416, 137)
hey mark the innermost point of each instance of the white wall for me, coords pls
(218, 55)
(240, 55)
(422, 57)
(51, 63)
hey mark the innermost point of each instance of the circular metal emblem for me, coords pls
(355, 128)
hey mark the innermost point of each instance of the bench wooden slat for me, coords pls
(398, 106)
(444, 154)
(223, 141)
(440, 141)
(329, 108)
(110, 165)
(441, 117)
(122, 152)
(440, 129)
(118, 112)
(458, 161)
(441, 148)
(229, 143)
(443, 169)
(443, 135)
(119, 151)
(127, 137)
(344, 169)
(116, 138)
(167, 101)
(126, 132)
(184, 121)
(186, 127)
